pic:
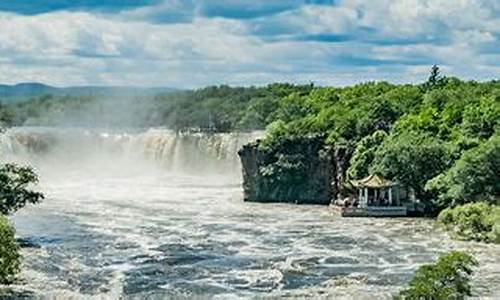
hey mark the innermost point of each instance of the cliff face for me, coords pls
(341, 157)
(301, 171)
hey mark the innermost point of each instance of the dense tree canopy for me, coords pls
(427, 136)
(411, 159)
(217, 108)
(364, 154)
(473, 177)
(435, 138)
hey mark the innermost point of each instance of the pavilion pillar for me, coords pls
(390, 196)
(366, 196)
(361, 200)
(398, 192)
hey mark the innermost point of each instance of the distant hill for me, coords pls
(22, 91)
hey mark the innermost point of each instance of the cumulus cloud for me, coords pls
(195, 43)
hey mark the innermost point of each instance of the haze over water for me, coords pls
(154, 214)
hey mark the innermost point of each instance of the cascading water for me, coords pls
(177, 152)
(153, 214)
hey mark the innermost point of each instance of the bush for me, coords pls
(9, 252)
(448, 278)
(15, 190)
(473, 221)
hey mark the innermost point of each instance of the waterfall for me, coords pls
(188, 152)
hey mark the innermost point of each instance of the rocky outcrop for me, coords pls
(300, 170)
(297, 170)
(341, 156)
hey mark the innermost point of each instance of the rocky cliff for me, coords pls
(300, 170)
(341, 156)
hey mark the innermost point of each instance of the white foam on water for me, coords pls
(152, 213)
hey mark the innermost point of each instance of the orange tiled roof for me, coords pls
(373, 181)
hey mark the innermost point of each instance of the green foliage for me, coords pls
(10, 258)
(435, 79)
(343, 115)
(258, 113)
(436, 132)
(474, 177)
(216, 108)
(15, 190)
(411, 159)
(428, 131)
(365, 154)
(448, 278)
(286, 160)
(286, 170)
(481, 120)
(6, 115)
(15, 193)
(474, 221)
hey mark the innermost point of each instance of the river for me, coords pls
(152, 214)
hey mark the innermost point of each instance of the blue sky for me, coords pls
(196, 43)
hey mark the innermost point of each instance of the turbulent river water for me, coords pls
(152, 214)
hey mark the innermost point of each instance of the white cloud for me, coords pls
(73, 48)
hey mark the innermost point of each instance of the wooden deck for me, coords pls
(372, 211)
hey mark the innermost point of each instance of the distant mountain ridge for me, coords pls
(34, 89)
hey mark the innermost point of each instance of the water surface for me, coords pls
(123, 223)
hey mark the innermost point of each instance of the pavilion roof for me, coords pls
(373, 181)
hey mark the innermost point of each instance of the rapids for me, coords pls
(153, 214)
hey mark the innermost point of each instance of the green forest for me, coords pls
(216, 108)
(440, 137)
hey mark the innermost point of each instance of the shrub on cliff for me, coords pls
(9, 252)
(448, 278)
(473, 221)
(288, 167)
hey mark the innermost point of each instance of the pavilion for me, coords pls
(375, 190)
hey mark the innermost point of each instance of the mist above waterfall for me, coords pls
(115, 152)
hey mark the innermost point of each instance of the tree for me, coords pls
(15, 193)
(474, 177)
(10, 259)
(448, 278)
(364, 154)
(6, 115)
(15, 190)
(482, 119)
(411, 159)
(435, 79)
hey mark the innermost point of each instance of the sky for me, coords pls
(188, 44)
